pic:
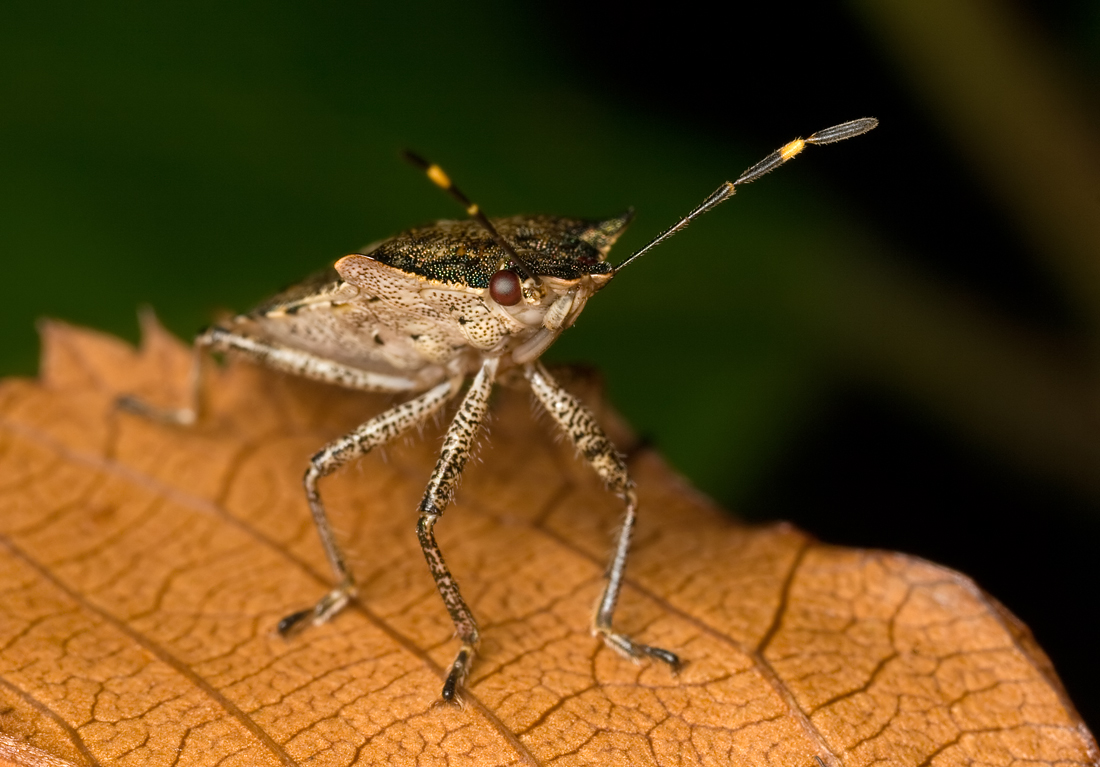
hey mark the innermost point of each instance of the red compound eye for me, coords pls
(505, 288)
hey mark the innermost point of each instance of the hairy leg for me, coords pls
(377, 431)
(457, 446)
(581, 427)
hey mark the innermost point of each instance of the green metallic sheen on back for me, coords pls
(462, 252)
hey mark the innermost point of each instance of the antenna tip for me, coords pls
(840, 132)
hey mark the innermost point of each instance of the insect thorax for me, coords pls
(419, 304)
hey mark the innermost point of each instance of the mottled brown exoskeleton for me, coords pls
(422, 313)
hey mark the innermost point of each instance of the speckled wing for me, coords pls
(440, 319)
(322, 316)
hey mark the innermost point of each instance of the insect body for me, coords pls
(420, 314)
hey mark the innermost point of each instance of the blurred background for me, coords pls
(892, 341)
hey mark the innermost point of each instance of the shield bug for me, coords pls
(421, 313)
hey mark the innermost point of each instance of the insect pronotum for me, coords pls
(421, 313)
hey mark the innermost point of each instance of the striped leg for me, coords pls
(269, 354)
(580, 426)
(183, 416)
(377, 431)
(374, 432)
(457, 446)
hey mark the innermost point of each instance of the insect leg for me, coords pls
(377, 431)
(457, 445)
(301, 363)
(184, 416)
(269, 354)
(581, 427)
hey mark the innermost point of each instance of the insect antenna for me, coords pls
(436, 175)
(768, 164)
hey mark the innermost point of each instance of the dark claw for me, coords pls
(131, 404)
(450, 687)
(289, 625)
(458, 673)
(672, 659)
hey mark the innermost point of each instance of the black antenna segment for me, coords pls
(436, 175)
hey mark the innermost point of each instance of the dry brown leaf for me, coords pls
(143, 568)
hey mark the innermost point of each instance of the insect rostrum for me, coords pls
(422, 312)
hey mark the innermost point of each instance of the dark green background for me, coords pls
(198, 156)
